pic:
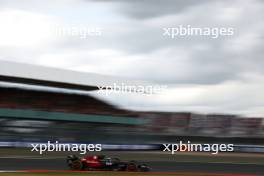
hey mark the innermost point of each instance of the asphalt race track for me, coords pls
(15, 164)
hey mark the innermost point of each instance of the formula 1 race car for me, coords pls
(102, 163)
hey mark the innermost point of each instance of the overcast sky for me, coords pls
(222, 75)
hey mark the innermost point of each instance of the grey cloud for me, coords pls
(143, 9)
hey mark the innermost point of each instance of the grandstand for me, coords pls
(38, 103)
(41, 103)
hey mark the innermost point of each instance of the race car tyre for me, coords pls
(76, 165)
(132, 167)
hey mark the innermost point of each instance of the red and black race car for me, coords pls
(103, 163)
